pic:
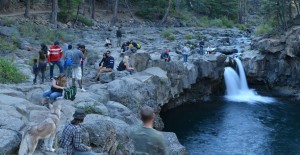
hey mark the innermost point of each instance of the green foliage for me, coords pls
(8, 21)
(27, 29)
(9, 73)
(171, 38)
(216, 22)
(84, 20)
(150, 9)
(188, 36)
(166, 33)
(241, 27)
(43, 33)
(6, 45)
(264, 29)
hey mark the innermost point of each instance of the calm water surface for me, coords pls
(226, 128)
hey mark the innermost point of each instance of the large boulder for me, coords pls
(9, 141)
(9, 31)
(173, 145)
(102, 133)
(139, 60)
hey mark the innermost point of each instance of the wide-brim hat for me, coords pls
(79, 114)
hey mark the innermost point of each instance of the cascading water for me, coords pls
(237, 88)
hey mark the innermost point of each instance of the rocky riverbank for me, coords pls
(114, 102)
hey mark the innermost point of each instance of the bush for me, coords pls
(8, 21)
(242, 27)
(189, 36)
(264, 29)
(6, 45)
(166, 33)
(84, 20)
(171, 37)
(226, 22)
(9, 73)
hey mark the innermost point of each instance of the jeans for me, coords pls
(60, 66)
(83, 153)
(201, 50)
(51, 95)
(42, 68)
(68, 71)
(185, 57)
(130, 71)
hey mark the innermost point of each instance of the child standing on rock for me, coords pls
(35, 70)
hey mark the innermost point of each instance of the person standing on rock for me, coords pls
(77, 56)
(185, 52)
(68, 61)
(147, 140)
(42, 61)
(55, 53)
(71, 136)
(119, 37)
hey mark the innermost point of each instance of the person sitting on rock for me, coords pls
(165, 56)
(110, 63)
(102, 64)
(57, 87)
(71, 136)
(108, 43)
(124, 65)
(147, 140)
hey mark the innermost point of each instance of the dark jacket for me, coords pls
(165, 56)
(110, 62)
(119, 33)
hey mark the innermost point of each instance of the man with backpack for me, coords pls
(55, 53)
(68, 61)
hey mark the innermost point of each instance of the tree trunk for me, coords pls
(93, 9)
(297, 6)
(54, 13)
(129, 9)
(167, 13)
(114, 19)
(27, 8)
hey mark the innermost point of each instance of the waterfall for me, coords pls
(237, 88)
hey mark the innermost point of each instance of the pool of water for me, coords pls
(222, 127)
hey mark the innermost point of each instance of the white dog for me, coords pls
(45, 130)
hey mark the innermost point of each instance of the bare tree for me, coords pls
(167, 13)
(115, 11)
(93, 8)
(27, 8)
(54, 12)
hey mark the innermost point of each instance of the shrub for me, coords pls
(171, 37)
(8, 21)
(6, 45)
(166, 33)
(189, 36)
(264, 29)
(241, 27)
(84, 20)
(27, 29)
(226, 22)
(9, 73)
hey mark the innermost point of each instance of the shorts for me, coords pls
(76, 73)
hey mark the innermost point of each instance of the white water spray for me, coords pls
(237, 88)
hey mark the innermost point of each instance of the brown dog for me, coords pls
(45, 130)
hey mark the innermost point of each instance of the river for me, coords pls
(223, 127)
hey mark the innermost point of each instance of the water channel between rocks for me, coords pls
(223, 127)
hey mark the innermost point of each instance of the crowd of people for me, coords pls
(70, 63)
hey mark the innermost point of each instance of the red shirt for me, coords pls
(54, 53)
